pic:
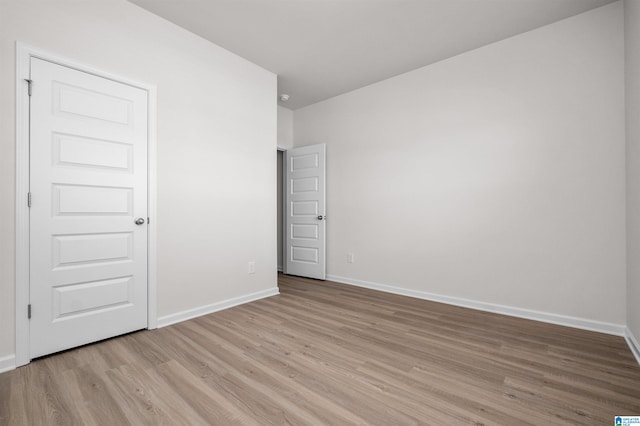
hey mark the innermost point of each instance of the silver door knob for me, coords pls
(320, 217)
(139, 221)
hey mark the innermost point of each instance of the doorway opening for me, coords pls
(302, 219)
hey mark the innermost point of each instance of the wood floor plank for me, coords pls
(166, 405)
(16, 405)
(70, 386)
(97, 398)
(325, 353)
(5, 397)
(136, 397)
(262, 382)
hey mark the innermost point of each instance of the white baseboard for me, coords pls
(633, 343)
(7, 363)
(581, 323)
(214, 307)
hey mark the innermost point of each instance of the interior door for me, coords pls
(88, 215)
(306, 212)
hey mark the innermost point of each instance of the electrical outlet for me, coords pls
(351, 258)
(251, 268)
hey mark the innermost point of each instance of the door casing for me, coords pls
(24, 53)
(283, 189)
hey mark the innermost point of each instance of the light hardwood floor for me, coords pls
(325, 353)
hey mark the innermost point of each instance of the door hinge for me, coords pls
(29, 311)
(29, 200)
(29, 84)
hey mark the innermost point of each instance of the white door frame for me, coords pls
(283, 231)
(24, 54)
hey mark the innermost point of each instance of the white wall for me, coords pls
(285, 141)
(496, 176)
(285, 127)
(632, 62)
(216, 137)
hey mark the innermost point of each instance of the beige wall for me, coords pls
(632, 62)
(496, 176)
(216, 136)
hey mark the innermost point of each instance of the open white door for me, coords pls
(306, 212)
(88, 216)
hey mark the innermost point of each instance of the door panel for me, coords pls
(305, 196)
(79, 200)
(305, 231)
(88, 178)
(94, 104)
(87, 249)
(304, 208)
(96, 295)
(85, 152)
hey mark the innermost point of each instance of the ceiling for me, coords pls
(323, 48)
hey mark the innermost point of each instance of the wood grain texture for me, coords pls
(326, 353)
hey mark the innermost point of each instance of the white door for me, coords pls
(306, 212)
(88, 184)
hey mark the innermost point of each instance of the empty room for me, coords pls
(319, 212)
